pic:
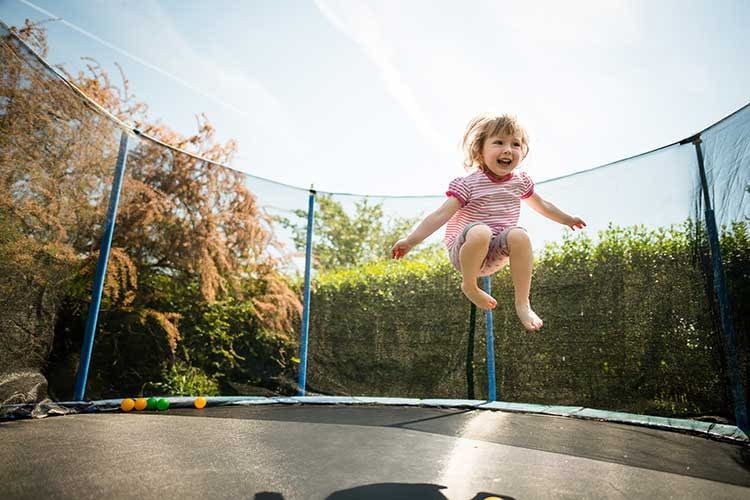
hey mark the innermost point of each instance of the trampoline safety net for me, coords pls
(203, 291)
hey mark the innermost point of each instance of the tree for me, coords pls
(188, 231)
(51, 197)
(342, 239)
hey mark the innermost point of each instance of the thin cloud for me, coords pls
(357, 21)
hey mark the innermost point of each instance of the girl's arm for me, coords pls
(429, 225)
(550, 211)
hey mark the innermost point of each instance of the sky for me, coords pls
(372, 97)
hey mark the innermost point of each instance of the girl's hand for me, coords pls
(400, 249)
(575, 223)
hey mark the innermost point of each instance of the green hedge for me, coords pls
(628, 326)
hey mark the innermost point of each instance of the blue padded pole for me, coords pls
(101, 270)
(490, 341)
(727, 326)
(306, 304)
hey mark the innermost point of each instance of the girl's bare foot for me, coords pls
(478, 297)
(528, 318)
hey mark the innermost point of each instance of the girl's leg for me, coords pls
(471, 256)
(521, 264)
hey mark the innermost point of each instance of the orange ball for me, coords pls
(200, 402)
(140, 404)
(127, 404)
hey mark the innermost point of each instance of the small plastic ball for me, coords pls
(127, 404)
(151, 404)
(140, 404)
(200, 402)
(162, 404)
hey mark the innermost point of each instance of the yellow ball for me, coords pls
(127, 404)
(140, 404)
(200, 402)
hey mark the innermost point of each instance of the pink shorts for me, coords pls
(497, 253)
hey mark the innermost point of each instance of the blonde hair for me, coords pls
(487, 125)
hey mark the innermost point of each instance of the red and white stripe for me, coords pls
(495, 202)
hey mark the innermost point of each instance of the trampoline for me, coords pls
(640, 325)
(320, 448)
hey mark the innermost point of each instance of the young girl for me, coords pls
(482, 211)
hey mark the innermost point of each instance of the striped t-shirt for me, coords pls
(493, 201)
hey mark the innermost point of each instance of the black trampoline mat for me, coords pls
(339, 452)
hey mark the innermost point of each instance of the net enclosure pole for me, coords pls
(470, 352)
(490, 341)
(302, 383)
(719, 282)
(101, 271)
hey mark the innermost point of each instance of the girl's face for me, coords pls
(502, 153)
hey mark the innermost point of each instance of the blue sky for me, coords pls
(372, 96)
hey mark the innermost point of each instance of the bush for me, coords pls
(181, 379)
(627, 327)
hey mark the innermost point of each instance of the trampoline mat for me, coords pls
(339, 452)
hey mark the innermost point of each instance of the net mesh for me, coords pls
(204, 283)
(626, 322)
(725, 147)
(56, 158)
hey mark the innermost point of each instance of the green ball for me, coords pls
(151, 404)
(162, 404)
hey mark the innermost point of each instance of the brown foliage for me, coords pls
(51, 194)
